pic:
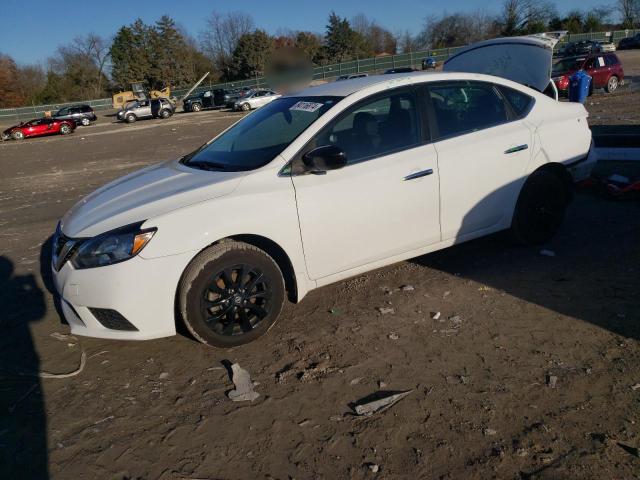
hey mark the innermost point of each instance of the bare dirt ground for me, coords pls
(528, 373)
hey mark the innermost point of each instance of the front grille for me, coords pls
(112, 319)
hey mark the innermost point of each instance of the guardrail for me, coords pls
(325, 72)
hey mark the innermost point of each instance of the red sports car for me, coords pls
(39, 127)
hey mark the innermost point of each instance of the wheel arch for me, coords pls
(271, 248)
(561, 172)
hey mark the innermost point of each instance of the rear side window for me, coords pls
(376, 127)
(611, 60)
(462, 108)
(521, 103)
(86, 108)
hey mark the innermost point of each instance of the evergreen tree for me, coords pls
(342, 42)
(251, 55)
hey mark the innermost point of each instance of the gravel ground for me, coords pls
(530, 371)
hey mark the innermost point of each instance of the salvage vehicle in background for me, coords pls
(316, 187)
(350, 76)
(38, 128)
(604, 47)
(204, 100)
(232, 96)
(605, 71)
(629, 43)
(141, 109)
(255, 99)
(80, 114)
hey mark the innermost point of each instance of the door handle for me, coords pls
(420, 174)
(519, 148)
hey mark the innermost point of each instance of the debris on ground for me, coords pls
(635, 387)
(374, 467)
(489, 432)
(163, 375)
(435, 315)
(244, 386)
(407, 288)
(379, 402)
(547, 253)
(355, 381)
(386, 310)
(552, 381)
(394, 336)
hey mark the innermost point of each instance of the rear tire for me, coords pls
(540, 208)
(18, 135)
(130, 118)
(231, 294)
(165, 113)
(612, 84)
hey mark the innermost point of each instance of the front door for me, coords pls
(385, 202)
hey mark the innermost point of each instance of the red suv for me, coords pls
(605, 70)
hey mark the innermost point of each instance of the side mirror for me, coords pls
(321, 159)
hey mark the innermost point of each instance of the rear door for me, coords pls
(483, 150)
(385, 202)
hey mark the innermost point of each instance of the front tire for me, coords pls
(245, 107)
(540, 208)
(130, 118)
(65, 129)
(231, 294)
(196, 107)
(165, 113)
(612, 84)
(18, 135)
(85, 122)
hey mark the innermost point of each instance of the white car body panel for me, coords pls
(331, 226)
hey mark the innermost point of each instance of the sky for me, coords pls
(32, 34)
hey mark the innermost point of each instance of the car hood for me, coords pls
(526, 60)
(145, 194)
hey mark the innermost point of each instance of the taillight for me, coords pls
(563, 83)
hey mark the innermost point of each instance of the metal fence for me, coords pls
(325, 72)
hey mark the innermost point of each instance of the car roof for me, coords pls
(390, 80)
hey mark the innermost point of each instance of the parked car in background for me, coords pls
(605, 70)
(80, 114)
(39, 127)
(629, 42)
(204, 100)
(231, 96)
(429, 63)
(255, 99)
(350, 76)
(604, 47)
(399, 70)
(141, 109)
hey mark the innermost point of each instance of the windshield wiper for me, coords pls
(210, 166)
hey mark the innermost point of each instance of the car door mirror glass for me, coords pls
(321, 159)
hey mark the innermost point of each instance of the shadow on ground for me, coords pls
(23, 435)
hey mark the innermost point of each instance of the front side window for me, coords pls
(62, 111)
(258, 138)
(373, 128)
(461, 108)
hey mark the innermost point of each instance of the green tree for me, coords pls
(131, 54)
(251, 55)
(311, 44)
(170, 56)
(342, 42)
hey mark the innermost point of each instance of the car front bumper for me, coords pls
(143, 291)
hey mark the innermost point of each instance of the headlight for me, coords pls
(112, 247)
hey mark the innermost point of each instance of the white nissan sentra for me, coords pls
(311, 189)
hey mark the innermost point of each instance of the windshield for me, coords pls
(259, 137)
(568, 64)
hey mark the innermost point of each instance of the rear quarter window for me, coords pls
(521, 103)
